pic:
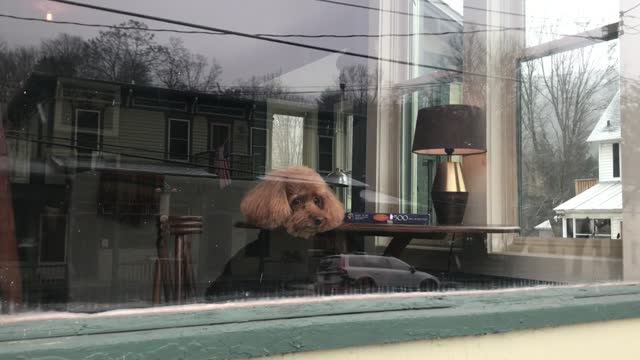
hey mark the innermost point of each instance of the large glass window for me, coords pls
(200, 152)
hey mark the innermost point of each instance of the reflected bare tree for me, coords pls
(180, 69)
(287, 132)
(262, 87)
(360, 88)
(360, 84)
(15, 66)
(63, 55)
(561, 98)
(127, 53)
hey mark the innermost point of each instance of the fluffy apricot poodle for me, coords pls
(297, 199)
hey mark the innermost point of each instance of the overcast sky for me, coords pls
(240, 57)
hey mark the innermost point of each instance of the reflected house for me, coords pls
(596, 211)
(88, 156)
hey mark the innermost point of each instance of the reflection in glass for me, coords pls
(111, 123)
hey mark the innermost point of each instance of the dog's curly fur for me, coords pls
(296, 198)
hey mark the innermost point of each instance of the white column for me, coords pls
(629, 146)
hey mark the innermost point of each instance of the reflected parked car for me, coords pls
(367, 272)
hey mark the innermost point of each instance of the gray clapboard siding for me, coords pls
(143, 129)
(241, 137)
(199, 135)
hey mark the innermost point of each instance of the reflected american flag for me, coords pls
(223, 166)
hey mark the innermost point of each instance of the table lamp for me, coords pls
(450, 130)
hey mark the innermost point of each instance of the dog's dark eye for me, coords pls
(317, 201)
(296, 202)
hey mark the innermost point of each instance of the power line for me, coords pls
(339, 36)
(523, 15)
(628, 10)
(446, 4)
(635, 27)
(401, 13)
(268, 39)
(279, 41)
(482, 9)
(498, 28)
(322, 88)
(311, 36)
(175, 162)
(50, 137)
(284, 42)
(120, 27)
(624, 14)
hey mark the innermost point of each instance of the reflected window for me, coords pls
(287, 141)
(220, 135)
(398, 264)
(325, 155)
(258, 144)
(583, 228)
(616, 160)
(178, 139)
(87, 131)
(602, 227)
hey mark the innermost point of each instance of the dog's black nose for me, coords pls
(318, 221)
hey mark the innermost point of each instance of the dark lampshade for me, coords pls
(457, 127)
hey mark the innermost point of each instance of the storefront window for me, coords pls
(486, 145)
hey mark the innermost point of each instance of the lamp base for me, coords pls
(449, 193)
(449, 206)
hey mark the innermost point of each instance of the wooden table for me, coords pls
(402, 234)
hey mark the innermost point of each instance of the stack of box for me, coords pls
(386, 218)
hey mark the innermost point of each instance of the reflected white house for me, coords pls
(597, 211)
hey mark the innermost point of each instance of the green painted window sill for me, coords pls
(246, 329)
